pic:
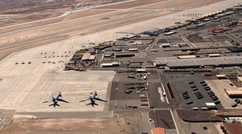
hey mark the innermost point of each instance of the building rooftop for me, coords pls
(210, 61)
(125, 54)
(158, 130)
(86, 56)
(233, 128)
(140, 70)
(92, 57)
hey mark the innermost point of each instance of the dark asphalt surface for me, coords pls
(162, 118)
(180, 83)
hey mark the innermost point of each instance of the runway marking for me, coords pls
(161, 95)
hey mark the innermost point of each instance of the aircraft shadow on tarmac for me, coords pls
(56, 99)
(93, 97)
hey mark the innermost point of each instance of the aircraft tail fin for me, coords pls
(54, 104)
(92, 103)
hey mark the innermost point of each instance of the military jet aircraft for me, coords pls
(55, 100)
(93, 98)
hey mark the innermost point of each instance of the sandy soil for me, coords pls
(27, 6)
(200, 4)
(169, 4)
(84, 22)
(50, 21)
(7, 50)
(6, 20)
(20, 11)
(124, 22)
(128, 121)
(13, 37)
(84, 13)
(80, 32)
(130, 4)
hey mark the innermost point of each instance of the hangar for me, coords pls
(199, 62)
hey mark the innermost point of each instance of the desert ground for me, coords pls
(18, 93)
(127, 124)
(25, 86)
(87, 20)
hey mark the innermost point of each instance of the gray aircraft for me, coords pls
(55, 100)
(93, 98)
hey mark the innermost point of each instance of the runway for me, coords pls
(66, 26)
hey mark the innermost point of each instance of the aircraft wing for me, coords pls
(63, 100)
(100, 99)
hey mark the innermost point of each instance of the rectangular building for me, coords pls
(232, 128)
(86, 56)
(173, 62)
(158, 130)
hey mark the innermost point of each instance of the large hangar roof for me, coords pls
(181, 63)
(210, 61)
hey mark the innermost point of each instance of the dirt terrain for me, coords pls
(127, 122)
(131, 4)
(20, 11)
(7, 5)
(32, 33)
(70, 16)
(84, 22)
(181, 4)
(200, 4)
(38, 42)
(30, 6)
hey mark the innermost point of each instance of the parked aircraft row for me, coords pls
(93, 97)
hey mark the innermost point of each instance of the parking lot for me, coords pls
(195, 38)
(218, 87)
(175, 41)
(127, 91)
(191, 91)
